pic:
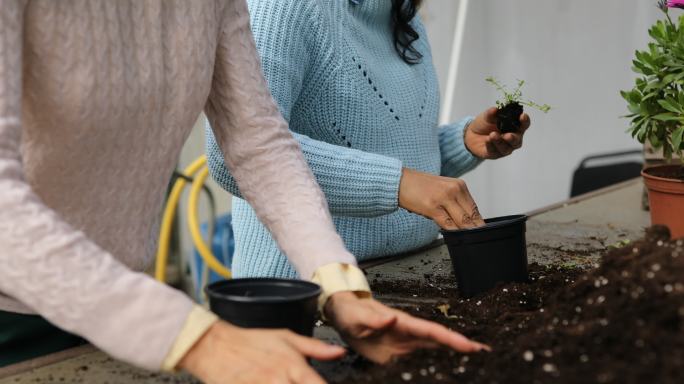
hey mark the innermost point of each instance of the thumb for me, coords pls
(313, 348)
(490, 115)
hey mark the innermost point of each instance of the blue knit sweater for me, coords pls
(360, 114)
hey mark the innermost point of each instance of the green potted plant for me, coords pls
(656, 106)
(510, 107)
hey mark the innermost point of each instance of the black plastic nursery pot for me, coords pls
(266, 303)
(485, 256)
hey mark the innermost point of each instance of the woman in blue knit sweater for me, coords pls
(356, 82)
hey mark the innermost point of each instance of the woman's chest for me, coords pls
(370, 99)
(103, 60)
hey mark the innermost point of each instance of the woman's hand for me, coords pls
(228, 354)
(444, 200)
(486, 142)
(380, 333)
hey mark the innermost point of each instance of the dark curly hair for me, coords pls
(403, 12)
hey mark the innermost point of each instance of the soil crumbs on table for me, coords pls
(620, 322)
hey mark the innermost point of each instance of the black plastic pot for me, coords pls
(266, 303)
(485, 256)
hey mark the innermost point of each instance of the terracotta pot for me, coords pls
(666, 197)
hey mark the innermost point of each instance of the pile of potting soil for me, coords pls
(621, 322)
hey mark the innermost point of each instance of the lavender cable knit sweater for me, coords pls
(360, 114)
(96, 100)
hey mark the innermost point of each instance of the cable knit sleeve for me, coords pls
(456, 159)
(355, 183)
(53, 268)
(264, 158)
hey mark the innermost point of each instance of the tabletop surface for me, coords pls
(573, 232)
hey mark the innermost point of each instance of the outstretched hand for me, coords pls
(484, 140)
(231, 355)
(380, 333)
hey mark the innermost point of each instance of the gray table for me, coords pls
(575, 232)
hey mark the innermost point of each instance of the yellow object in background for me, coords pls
(199, 168)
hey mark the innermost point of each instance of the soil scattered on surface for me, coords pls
(620, 322)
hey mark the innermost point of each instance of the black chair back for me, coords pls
(587, 177)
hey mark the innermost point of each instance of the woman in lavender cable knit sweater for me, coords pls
(362, 98)
(96, 100)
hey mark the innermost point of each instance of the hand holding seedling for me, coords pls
(444, 200)
(501, 128)
(380, 333)
(484, 140)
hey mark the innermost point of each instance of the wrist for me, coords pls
(337, 278)
(467, 138)
(194, 356)
(197, 324)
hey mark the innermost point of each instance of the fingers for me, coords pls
(525, 122)
(458, 209)
(314, 348)
(303, 374)
(471, 215)
(436, 333)
(444, 220)
(457, 215)
(499, 147)
(514, 140)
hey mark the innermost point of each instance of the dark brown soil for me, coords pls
(671, 172)
(622, 322)
(508, 118)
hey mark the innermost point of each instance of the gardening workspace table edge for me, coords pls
(573, 232)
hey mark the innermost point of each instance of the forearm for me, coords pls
(58, 272)
(355, 183)
(456, 158)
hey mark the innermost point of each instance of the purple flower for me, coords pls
(675, 4)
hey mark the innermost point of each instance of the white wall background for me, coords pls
(575, 55)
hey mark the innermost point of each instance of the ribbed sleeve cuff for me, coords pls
(355, 183)
(196, 325)
(339, 277)
(456, 158)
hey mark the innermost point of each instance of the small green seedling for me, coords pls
(510, 107)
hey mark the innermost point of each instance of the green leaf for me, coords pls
(672, 107)
(649, 96)
(669, 79)
(642, 68)
(668, 117)
(677, 138)
(641, 134)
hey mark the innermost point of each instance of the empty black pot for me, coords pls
(266, 303)
(485, 256)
